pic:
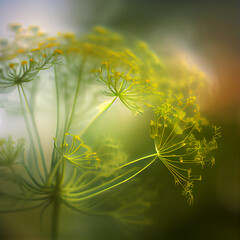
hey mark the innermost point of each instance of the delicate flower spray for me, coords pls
(114, 70)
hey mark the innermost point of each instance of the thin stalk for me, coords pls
(58, 112)
(55, 218)
(15, 176)
(30, 134)
(21, 209)
(56, 208)
(102, 188)
(53, 172)
(57, 96)
(63, 171)
(22, 198)
(36, 131)
(76, 95)
(138, 160)
(97, 116)
(67, 109)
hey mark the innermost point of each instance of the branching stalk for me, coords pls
(30, 135)
(97, 116)
(76, 95)
(35, 130)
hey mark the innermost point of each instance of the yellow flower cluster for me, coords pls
(102, 68)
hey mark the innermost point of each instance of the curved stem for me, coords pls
(22, 209)
(58, 112)
(138, 160)
(35, 130)
(84, 212)
(104, 187)
(53, 172)
(97, 116)
(63, 172)
(30, 175)
(2, 194)
(57, 96)
(30, 135)
(76, 95)
(15, 176)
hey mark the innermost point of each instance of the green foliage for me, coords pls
(83, 168)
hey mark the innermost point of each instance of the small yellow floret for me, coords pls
(101, 30)
(117, 74)
(55, 44)
(52, 45)
(191, 99)
(24, 63)
(77, 137)
(31, 59)
(44, 55)
(67, 35)
(58, 51)
(41, 44)
(147, 80)
(105, 63)
(20, 50)
(128, 78)
(11, 65)
(35, 49)
(41, 34)
(49, 45)
(52, 39)
(143, 45)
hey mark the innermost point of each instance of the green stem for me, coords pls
(56, 206)
(53, 172)
(67, 108)
(138, 160)
(63, 171)
(57, 95)
(30, 134)
(58, 112)
(35, 130)
(55, 218)
(104, 187)
(76, 95)
(97, 116)
(114, 181)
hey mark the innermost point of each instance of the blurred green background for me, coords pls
(209, 32)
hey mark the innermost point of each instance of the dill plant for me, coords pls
(114, 70)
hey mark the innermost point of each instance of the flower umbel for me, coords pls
(177, 133)
(76, 152)
(10, 151)
(86, 163)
